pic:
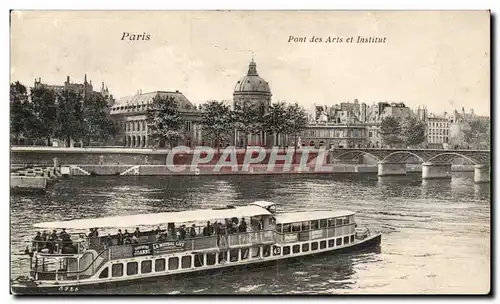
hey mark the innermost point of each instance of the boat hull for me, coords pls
(32, 289)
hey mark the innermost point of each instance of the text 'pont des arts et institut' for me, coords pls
(335, 39)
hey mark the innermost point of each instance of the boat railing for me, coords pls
(313, 234)
(69, 267)
(59, 247)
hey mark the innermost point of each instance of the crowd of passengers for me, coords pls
(62, 243)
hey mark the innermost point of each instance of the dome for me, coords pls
(252, 82)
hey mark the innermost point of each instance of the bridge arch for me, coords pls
(404, 152)
(360, 153)
(475, 162)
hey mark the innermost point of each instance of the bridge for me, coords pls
(436, 163)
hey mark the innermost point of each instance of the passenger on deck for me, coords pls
(126, 234)
(91, 233)
(44, 236)
(96, 233)
(192, 231)
(120, 237)
(158, 230)
(182, 232)
(137, 233)
(37, 242)
(135, 239)
(243, 226)
(52, 242)
(207, 229)
(108, 241)
(65, 238)
(128, 240)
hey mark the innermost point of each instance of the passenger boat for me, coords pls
(269, 236)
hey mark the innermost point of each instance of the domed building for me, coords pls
(254, 89)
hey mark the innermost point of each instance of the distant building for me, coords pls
(130, 114)
(438, 128)
(78, 88)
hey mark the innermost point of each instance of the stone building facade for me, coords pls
(130, 114)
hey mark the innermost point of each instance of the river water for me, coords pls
(436, 234)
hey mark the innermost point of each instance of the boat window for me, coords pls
(132, 268)
(279, 228)
(314, 246)
(352, 238)
(346, 240)
(233, 255)
(305, 247)
(287, 228)
(351, 219)
(331, 243)
(173, 263)
(186, 261)
(222, 257)
(296, 248)
(322, 245)
(338, 222)
(198, 260)
(211, 259)
(117, 270)
(346, 220)
(244, 253)
(331, 222)
(305, 226)
(338, 242)
(104, 273)
(276, 250)
(159, 265)
(296, 227)
(146, 266)
(266, 251)
(323, 223)
(314, 225)
(255, 252)
(286, 250)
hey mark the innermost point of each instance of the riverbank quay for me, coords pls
(32, 179)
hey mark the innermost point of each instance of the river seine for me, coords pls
(436, 234)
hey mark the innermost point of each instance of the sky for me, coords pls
(437, 59)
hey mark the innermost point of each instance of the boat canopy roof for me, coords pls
(302, 216)
(154, 219)
(263, 204)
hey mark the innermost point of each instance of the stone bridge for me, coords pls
(436, 163)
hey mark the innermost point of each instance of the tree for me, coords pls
(275, 120)
(412, 131)
(43, 104)
(478, 133)
(247, 119)
(390, 131)
(296, 118)
(216, 121)
(69, 118)
(19, 110)
(164, 120)
(96, 122)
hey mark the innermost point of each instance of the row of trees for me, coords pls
(219, 121)
(408, 132)
(478, 134)
(44, 114)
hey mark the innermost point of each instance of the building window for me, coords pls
(117, 270)
(173, 263)
(132, 268)
(186, 261)
(146, 266)
(188, 126)
(159, 265)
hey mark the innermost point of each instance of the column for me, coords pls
(391, 168)
(481, 173)
(436, 170)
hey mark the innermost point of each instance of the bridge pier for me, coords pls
(481, 173)
(391, 168)
(436, 170)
